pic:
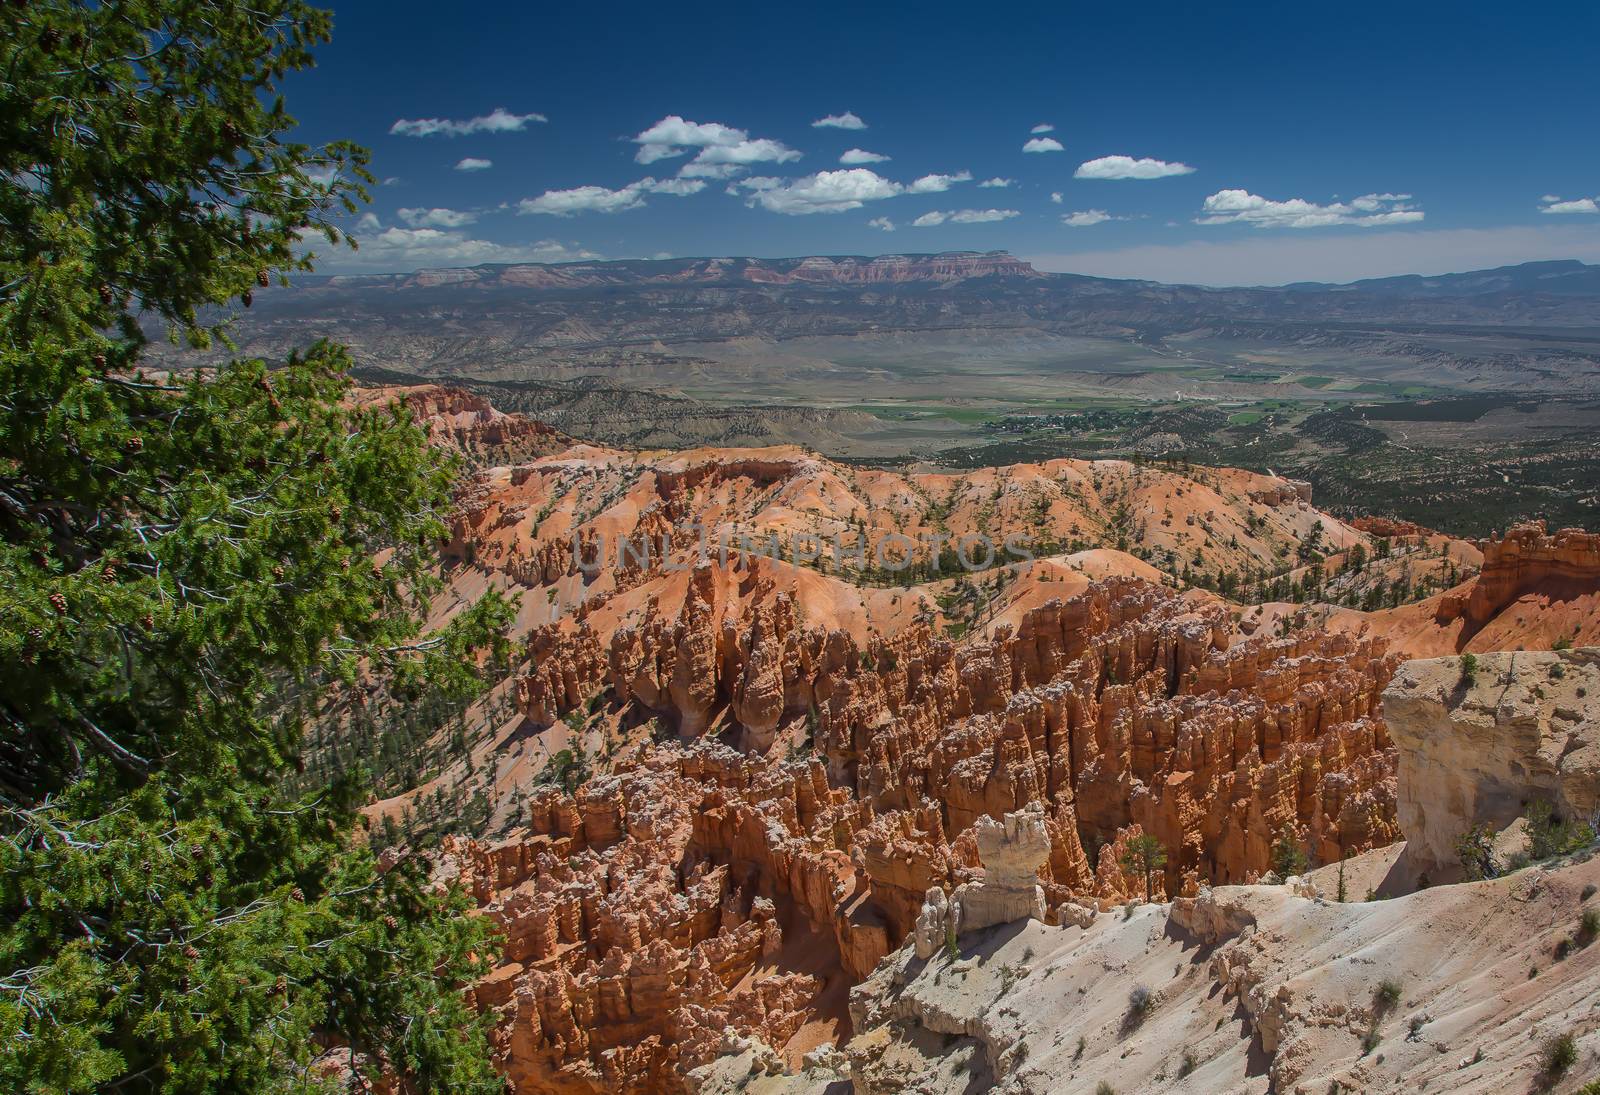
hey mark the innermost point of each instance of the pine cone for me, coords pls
(262, 279)
(297, 894)
(59, 603)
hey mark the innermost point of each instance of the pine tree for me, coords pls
(183, 557)
(1144, 856)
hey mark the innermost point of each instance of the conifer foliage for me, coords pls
(177, 553)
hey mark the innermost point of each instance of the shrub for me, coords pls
(1476, 853)
(1387, 995)
(1589, 891)
(1369, 1042)
(1588, 926)
(1189, 1063)
(1469, 669)
(1140, 1002)
(1103, 1088)
(1550, 835)
(1560, 1054)
(1562, 643)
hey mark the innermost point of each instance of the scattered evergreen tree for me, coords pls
(1144, 856)
(1288, 857)
(181, 559)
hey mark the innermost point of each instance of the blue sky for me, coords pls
(1268, 143)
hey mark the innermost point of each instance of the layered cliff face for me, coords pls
(1476, 748)
(1535, 589)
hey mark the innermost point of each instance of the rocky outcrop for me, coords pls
(1244, 988)
(1011, 853)
(1477, 746)
(1528, 558)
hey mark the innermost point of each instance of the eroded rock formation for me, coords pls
(654, 908)
(1479, 741)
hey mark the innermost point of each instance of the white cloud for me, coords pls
(1043, 144)
(881, 223)
(598, 199)
(1553, 204)
(824, 192)
(1126, 167)
(1055, 196)
(861, 155)
(964, 216)
(673, 136)
(472, 163)
(1367, 211)
(368, 222)
(1276, 258)
(1043, 127)
(996, 183)
(498, 120)
(938, 184)
(392, 180)
(724, 150)
(678, 188)
(321, 175)
(694, 169)
(436, 218)
(847, 120)
(403, 249)
(1083, 218)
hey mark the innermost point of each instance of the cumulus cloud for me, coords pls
(724, 150)
(1083, 218)
(599, 199)
(402, 249)
(1043, 127)
(861, 155)
(1055, 196)
(498, 120)
(847, 120)
(883, 224)
(436, 218)
(1367, 211)
(938, 184)
(1043, 144)
(472, 163)
(696, 170)
(824, 192)
(1550, 203)
(678, 188)
(964, 216)
(1126, 167)
(996, 183)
